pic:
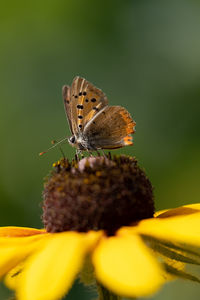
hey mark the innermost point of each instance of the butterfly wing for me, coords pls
(86, 101)
(66, 92)
(111, 128)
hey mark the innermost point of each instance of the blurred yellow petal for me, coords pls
(125, 266)
(166, 256)
(159, 212)
(172, 251)
(179, 211)
(11, 231)
(176, 272)
(12, 277)
(175, 265)
(183, 229)
(49, 274)
(15, 249)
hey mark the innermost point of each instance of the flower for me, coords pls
(100, 223)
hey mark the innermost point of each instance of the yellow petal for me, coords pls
(179, 211)
(12, 277)
(178, 273)
(159, 212)
(49, 274)
(125, 266)
(175, 265)
(15, 249)
(183, 228)
(172, 251)
(11, 231)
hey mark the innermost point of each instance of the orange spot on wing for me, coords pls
(128, 140)
(130, 124)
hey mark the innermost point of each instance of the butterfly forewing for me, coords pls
(86, 102)
(110, 128)
(66, 92)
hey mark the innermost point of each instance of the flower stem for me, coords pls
(105, 294)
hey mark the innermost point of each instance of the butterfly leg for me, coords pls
(98, 153)
(95, 150)
(105, 156)
(109, 155)
(90, 153)
(78, 154)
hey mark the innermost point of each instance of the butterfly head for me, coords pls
(72, 140)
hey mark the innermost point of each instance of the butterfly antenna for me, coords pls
(61, 150)
(54, 145)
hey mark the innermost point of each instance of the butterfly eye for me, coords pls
(72, 139)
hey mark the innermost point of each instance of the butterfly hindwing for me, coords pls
(110, 128)
(86, 102)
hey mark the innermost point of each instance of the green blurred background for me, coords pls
(145, 55)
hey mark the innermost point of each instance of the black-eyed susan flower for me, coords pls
(100, 225)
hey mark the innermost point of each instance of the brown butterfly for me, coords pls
(93, 123)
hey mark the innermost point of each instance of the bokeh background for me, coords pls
(145, 55)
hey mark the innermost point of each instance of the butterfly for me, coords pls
(93, 123)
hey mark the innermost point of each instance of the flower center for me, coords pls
(96, 193)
